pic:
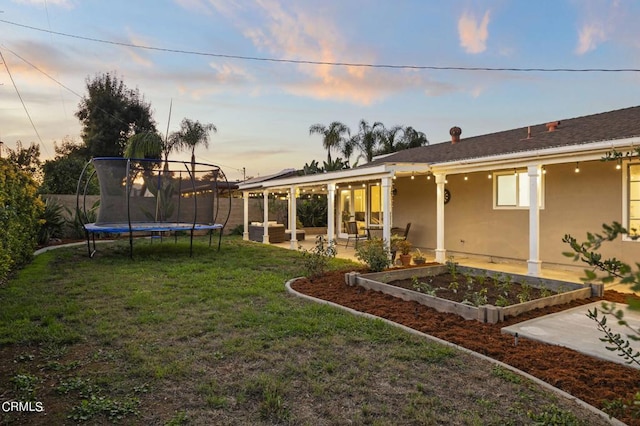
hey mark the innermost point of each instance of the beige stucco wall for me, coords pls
(574, 203)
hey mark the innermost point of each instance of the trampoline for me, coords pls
(154, 197)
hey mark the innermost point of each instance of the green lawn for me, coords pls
(214, 339)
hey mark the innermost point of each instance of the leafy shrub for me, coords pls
(237, 230)
(75, 228)
(20, 210)
(375, 253)
(316, 260)
(52, 221)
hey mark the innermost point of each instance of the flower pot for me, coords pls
(419, 260)
(405, 259)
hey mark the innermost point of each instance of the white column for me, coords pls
(387, 187)
(245, 197)
(331, 212)
(292, 218)
(534, 263)
(441, 253)
(265, 222)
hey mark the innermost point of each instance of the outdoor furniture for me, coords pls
(398, 231)
(275, 231)
(300, 234)
(354, 232)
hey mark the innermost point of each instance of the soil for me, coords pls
(475, 291)
(600, 383)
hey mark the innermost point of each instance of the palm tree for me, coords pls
(191, 134)
(391, 140)
(413, 138)
(369, 138)
(144, 145)
(346, 148)
(332, 136)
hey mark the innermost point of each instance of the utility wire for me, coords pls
(22, 101)
(309, 62)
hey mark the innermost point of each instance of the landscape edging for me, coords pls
(538, 381)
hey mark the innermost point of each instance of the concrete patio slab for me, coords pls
(574, 330)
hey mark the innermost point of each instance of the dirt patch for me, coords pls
(600, 383)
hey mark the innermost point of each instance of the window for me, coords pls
(512, 190)
(634, 199)
(375, 205)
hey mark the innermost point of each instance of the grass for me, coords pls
(214, 339)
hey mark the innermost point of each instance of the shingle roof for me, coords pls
(612, 125)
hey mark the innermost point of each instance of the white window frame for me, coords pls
(625, 199)
(519, 173)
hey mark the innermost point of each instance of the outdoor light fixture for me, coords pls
(394, 177)
(577, 170)
(544, 170)
(412, 177)
(429, 177)
(489, 176)
(466, 177)
(619, 165)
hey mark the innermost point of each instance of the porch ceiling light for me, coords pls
(577, 169)
(619, 164)
(489, 175)
(466, 177)
(544, 170)
(412, 176)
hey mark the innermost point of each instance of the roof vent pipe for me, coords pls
(455, 133)
(552, 126)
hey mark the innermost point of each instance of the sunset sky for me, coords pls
(263, 109)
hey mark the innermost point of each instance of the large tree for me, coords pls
(369, 137)
(191, 134)
(110, 114)
(27, 159)
(333, 136)
(60, 175)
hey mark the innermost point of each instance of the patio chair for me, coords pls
(398, 231)
(354, 232)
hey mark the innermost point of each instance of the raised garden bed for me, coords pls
(473, 293)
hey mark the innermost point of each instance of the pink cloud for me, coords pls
(473, 33)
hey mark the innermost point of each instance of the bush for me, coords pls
(237, 230)
(375, 253)
(316, 260)
(52, 221)
(20, 210)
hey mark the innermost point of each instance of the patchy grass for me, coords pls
(214, 339)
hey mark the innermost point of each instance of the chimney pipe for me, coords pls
(552, 126)
(455, 133)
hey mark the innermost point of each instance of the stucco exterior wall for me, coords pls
(574, 203)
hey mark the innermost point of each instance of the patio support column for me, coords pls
(534, 263)
(292, 218)
(386, 209)
(441, 253)
(245, 220)
(331, 214)
(265, 220)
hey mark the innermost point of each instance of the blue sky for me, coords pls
(263, 110)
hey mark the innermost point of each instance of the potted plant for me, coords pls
(418, 258)
(393, 247)
(405, 251)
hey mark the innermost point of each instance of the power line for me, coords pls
(22, 101)
(310, 62)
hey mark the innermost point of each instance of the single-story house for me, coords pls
(506, 196)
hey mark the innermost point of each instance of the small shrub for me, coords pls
(375, 254)
(316, 260)
(237, 230)
(52, 221)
